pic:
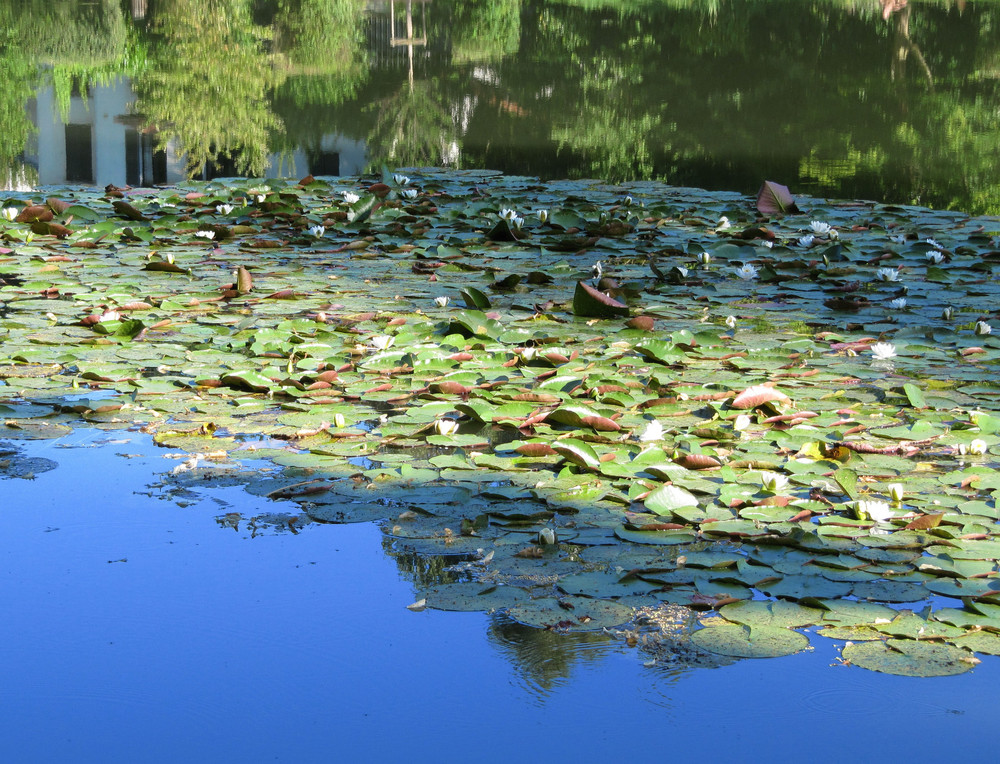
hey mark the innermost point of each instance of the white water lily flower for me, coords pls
(511, 217)
(652, 432)
(883, 351)
(400, 180)
(318, 231)
(898, 239)
(723, 224)
(704, 258)
(731, 322)
(898, 304)
(528, 354)
(224, 209)
(772, 482)
(597, 270)
(350, 197)
(409, 193)
(983, 328)
(682, 271)
(768, 243)
(978, 447)
(887, 274)
(205, 234)
(896, 492)
(445, 426)
(382, 341)
(948, 313)
(351, 216)
(820, 228)
(807, 240)
(543, 215)
(442, 301)
(10, 213)
(747, 272)
(935, 257)
(742, 422)
(878, 511)
(933, 243)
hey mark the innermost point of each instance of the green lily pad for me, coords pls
(750, 641)
(905, 657)
(571, 613)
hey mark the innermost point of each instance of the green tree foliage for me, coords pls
(208, 83)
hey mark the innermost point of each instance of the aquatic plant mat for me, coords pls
(649, 411)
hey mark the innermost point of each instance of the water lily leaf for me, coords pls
(571, 613)
(590, 302)
(750, 641)
(915, 396)
(756, 396)
(665, 499)
(473, 596)
(905, 657)
(780, 613)
(577, 452)
(253, 381)
(979, 642)
(474, 298)
(775, 199)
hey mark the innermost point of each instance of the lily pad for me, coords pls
(750, 641)
(905, 657)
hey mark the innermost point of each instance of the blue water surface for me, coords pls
(137, 629)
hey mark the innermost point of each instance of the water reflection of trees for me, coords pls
(832, 96)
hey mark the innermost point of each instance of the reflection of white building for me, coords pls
(99, 142)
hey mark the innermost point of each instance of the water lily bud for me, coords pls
(948, 313)
(338, 420)
(546, 536)
(896, 492)
(445, 426)
(627, 201)
(543, 215)
(772, 482)
(528, 354)
(704, 258)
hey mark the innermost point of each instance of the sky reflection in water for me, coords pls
(140, 629)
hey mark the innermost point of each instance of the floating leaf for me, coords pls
(905, 657)
(750, 641)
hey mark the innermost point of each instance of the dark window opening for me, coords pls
(79, 154)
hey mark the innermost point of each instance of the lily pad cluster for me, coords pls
(586, 399)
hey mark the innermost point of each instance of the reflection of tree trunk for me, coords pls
(904, 46)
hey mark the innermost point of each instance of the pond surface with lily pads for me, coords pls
(657, 428)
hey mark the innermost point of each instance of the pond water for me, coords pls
(139, 627)
(148, 622)
(849, 99)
